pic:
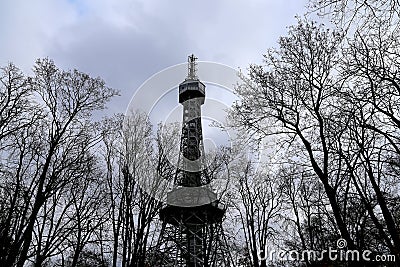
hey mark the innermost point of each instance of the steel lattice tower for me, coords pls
(192, 234)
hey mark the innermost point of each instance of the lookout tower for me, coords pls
(192, 234)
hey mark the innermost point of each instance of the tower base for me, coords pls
(191, 237)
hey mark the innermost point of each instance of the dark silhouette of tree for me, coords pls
(296, 93)
(333, 104)
(52, 150)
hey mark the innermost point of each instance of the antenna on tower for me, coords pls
(192, 67)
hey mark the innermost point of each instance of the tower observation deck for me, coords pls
(192, 218)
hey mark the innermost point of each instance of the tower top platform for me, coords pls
(191, 87)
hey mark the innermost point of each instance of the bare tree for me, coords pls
(134, 171)
(308, 220)
(259, 208)
(358, 14)
(297, 95)
(370, 67)
(334, 105)
(50, 158)
(16, 111)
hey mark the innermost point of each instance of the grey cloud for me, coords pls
(123, 57)
(125, 42)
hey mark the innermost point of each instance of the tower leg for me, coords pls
(195, 245)
(183, 245)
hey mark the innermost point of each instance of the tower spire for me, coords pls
(192, 67)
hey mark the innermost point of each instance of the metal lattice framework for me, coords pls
(192, 233)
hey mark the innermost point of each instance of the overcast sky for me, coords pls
(127, 41)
